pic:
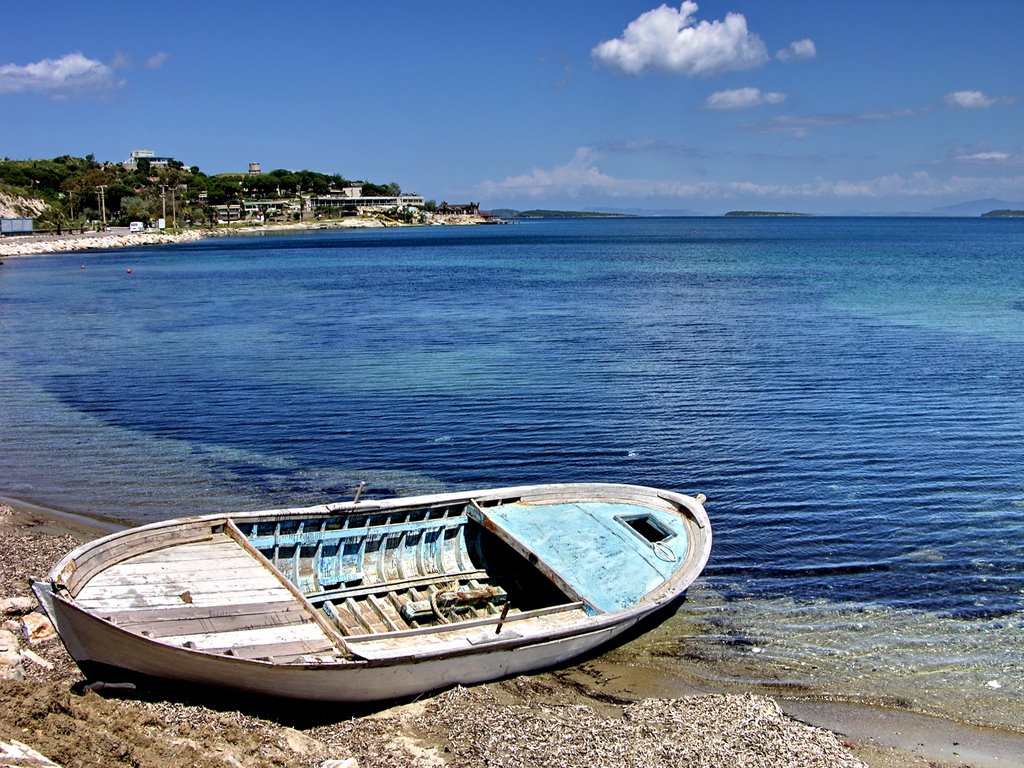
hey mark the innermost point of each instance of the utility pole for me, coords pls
(163, 201)
(103, 203)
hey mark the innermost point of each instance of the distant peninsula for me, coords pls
(1003, 213)
(766, 213)
(508, 213)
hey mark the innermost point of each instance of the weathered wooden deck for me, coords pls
(219, 596)
(211, 595)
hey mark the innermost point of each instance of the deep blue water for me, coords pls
(847, 392)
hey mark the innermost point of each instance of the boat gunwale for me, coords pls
(526, 493)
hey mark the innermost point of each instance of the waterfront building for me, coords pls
(132, 163)
(353, 199)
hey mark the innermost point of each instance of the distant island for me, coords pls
(508, 213)
(765, 213)
(1003, 213)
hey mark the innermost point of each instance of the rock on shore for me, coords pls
(28, 245)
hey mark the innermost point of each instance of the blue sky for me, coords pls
(828, 106)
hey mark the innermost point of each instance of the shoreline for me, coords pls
(38, 245)
(880, 736)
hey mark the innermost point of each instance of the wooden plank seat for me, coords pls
(197, 619)
(279, 653)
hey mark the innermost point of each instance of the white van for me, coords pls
(136, 226)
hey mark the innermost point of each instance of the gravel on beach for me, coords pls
(531, 720)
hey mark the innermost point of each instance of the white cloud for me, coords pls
(568, 179)
(974, 100)
(798, 50)
(70, 76)
(674, 41)
(742, 98)
(581, 177)
(801, 126)
(985, 156)
(156, 60)
(649, 146)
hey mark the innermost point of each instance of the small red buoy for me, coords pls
(129, 270)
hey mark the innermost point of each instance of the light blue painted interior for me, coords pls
(607, 562)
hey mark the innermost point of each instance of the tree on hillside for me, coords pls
(221, 190)
(135, 208)
(70, 186)
(260, 185)
(375, 190)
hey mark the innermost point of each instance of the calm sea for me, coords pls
(847, 392)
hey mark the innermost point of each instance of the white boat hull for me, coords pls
(111, 653)
(381, 600)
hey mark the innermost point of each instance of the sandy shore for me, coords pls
(593, 714)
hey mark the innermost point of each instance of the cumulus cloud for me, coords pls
(974, 100)
(577, 174)
(156, 60)
(71, 76)
(800, 50)
(674, 41)
(742, 98)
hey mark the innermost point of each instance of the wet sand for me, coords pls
(584, 714)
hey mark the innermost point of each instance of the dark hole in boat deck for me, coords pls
(648, 527)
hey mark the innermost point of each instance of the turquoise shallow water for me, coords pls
(846, 391)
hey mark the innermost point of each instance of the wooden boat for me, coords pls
(370, 600)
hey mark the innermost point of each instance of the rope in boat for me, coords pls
(436, 609)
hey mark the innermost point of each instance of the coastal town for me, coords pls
(69, 203)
